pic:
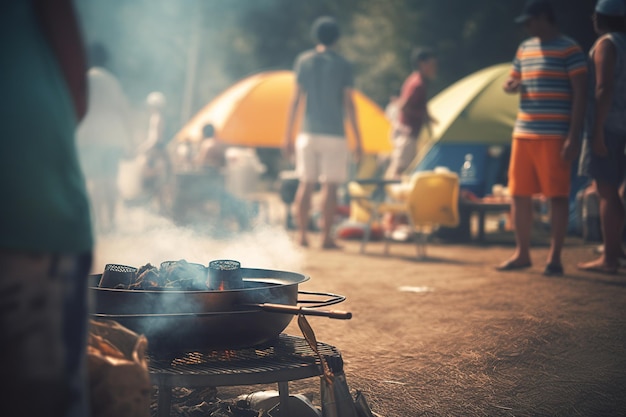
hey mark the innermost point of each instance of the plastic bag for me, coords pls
(362, 407)
(119, 381)
(336, 398)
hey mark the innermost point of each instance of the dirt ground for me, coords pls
(466, 340)
(448, 335)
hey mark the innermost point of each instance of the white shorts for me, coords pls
(322, 158)
(404, 151)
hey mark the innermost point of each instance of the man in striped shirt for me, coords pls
(549, 71)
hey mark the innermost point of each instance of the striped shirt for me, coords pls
(546, 69)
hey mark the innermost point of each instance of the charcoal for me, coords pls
(180, 275)
(148, 277)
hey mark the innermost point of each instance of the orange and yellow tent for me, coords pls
(253, 112)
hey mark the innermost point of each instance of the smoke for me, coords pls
(143, 237)
(150, 43)
(175, 47)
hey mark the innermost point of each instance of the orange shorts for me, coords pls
(536, 167)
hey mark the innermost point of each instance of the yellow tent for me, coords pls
(253, 112)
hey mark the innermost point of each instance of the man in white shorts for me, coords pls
(324, 82)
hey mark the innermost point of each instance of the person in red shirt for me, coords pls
(413, 111)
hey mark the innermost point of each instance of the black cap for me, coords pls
(534, 8)
(325, 30)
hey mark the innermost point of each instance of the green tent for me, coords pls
(475, 116)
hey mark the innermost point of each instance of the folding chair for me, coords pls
(428, 199)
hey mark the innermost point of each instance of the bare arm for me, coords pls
(60, 27)
(579, 102)
(571, 146)
(402, 104)
(350, 111)
(296, 99)
(604, 61)
(512, 85)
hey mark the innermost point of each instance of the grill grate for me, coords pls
(286, 353)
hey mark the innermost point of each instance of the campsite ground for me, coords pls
(464, 340)
(471, 341)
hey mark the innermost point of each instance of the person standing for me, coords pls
(324, 81)
(413, 112)
(104, 136)
(45, 228)
(212, 153)
(392, 112)
(550, 73)
(156, 167)
(212, 162)
(603, 158)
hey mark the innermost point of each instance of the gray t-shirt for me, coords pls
(324, 77)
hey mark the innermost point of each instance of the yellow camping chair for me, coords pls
(361, 194)
(429, 199)
(361, 201)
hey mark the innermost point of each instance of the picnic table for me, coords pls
(481, 207)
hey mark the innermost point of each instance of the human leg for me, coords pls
(522, 221)
(554, 175)
(608, 174)
(303, 208)
(559, 212)
(73, 270)
(523, 183)
(405, 148)
(31, 336)
(333, 172)
(307, 167)
(329, 208)
(612, 221)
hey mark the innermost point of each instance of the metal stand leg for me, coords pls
(283, 395)
(481, 226)
(164, 401)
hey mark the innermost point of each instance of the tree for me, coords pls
(151, 40)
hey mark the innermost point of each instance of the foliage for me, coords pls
(159, 44)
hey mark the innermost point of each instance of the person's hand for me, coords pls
(570, 150)
(512, 85)
(598, 146)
